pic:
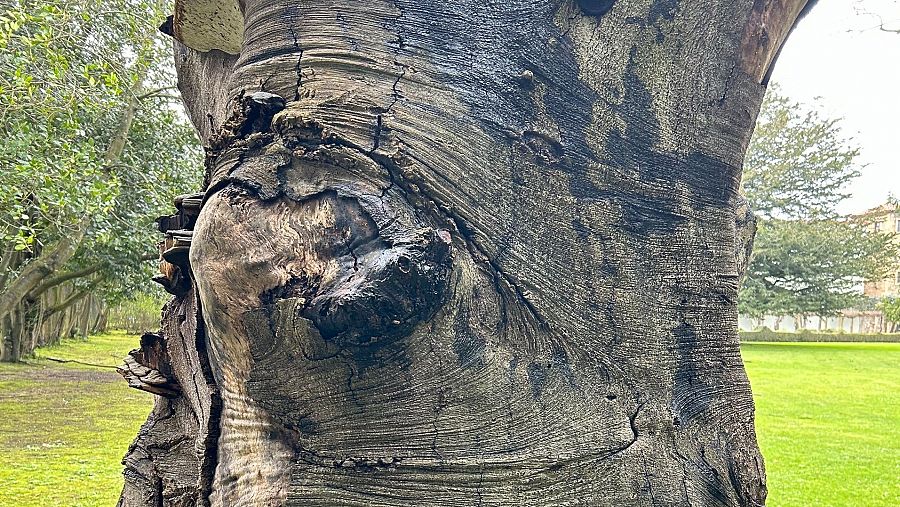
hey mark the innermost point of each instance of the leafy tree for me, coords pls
(798, 164)
(890, 308)
(807, 259)
(811, 267)
(94, 149)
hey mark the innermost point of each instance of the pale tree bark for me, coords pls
(460, 253)
(13, 298)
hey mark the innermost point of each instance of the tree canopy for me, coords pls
(95, 146)
(798, 164)
(807, 259)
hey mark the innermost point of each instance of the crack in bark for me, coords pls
(728, 81)
(496, 272)
(647, 476)
(379, 119)
(632, 418)
(298, 67)
(359, 463)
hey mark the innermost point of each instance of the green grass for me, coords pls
(105, 349)
(65, 427)
(828, 422)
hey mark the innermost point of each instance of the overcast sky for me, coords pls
(837, 59)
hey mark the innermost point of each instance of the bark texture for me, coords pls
(464, 253)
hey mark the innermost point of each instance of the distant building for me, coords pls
(886, 220)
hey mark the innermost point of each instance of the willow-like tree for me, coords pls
(459, 253)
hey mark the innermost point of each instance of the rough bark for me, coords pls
(173, 457)
(466, 253)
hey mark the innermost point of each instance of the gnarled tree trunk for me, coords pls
(460, 253)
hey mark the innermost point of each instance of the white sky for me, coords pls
(839, 61)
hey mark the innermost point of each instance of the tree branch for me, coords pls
(74, 298)
(58, 360)
(65, 277)
(35, 271)
(157, 91)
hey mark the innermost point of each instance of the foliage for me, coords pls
(163, 161)
(798, 163)
(890, 307)
(827, 421)
(137, 314)
(806, 259)
(58, 93)
(811, 267)
(72, 74)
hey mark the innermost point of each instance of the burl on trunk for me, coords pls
(459, 253)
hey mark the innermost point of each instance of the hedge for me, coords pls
(767, 335)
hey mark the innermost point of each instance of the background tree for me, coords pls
(92, 150)
(812, 267)
(798, 164)
(890, 307)
(807, 259)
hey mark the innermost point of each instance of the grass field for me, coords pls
(828, 418)
(65, 427)
(828, 422)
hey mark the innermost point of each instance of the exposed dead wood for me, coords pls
(206, 25)
(767, 28)
(141, 368)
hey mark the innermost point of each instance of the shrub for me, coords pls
(137, 315)
(767, 335)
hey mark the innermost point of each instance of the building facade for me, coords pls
(884, 219)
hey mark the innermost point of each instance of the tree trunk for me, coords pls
(50, 260)
(459, 253)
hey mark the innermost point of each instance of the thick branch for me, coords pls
(56, 280)
(74, 298)
(770, 23)
(37, 270)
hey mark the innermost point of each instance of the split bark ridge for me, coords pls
(456, 254)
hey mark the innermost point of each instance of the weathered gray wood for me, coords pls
(469, 253)
(173, 457)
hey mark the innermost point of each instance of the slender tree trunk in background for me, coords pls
(50, 260)
(460, 253)
(37, 276)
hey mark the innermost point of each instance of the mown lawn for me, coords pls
(828, 419)
(65, 427)
(828, 422)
